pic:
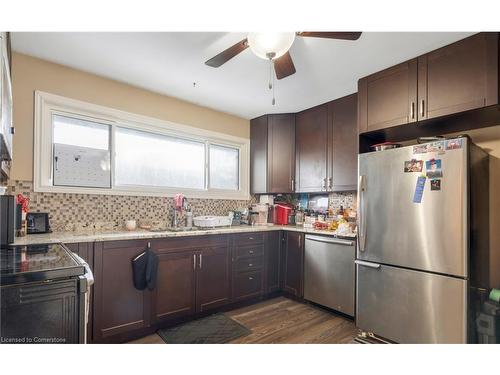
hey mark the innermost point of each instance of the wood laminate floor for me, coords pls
(284, 321)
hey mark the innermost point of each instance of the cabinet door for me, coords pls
(281, 153)
(213, 286)
(258, 155)
(459, 77)
(343, 144)
(311, 149)
(174, 295)
(388, 98)
(272, 255)
(118, 306)
(294, 264)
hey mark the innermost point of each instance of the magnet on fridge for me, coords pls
(419, 189)
(437, 146)
(454, 144)
(420, 149)
(433, 168)
(435, 184)
(413, 165)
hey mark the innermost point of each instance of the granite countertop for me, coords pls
(73, 237)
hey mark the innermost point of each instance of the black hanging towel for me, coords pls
(145, 269)
(151, 269)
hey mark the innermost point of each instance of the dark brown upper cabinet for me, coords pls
(388, 98)
(272, 154)
(343, 144)
(311, 149)
(456, 78)
(326, 147)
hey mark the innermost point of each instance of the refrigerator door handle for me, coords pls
(367, 264)
(362, 212)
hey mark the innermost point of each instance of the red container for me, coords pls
(281, 213)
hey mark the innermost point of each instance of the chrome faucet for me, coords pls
(177, 211)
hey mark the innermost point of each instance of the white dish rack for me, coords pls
(212, 221)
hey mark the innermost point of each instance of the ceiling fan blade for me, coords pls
(227, 54)
(348, 35)
(283, 66)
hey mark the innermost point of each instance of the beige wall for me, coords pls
(30, 74)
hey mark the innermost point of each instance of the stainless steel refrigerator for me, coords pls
(422, 249)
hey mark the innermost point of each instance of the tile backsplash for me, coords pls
(74, 212)
(69, 211)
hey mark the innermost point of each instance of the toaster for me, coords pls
(37, 222)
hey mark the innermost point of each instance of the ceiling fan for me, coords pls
(274, 47)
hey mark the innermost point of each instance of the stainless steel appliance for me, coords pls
(329, 272)
(420, 256)
(44, 292)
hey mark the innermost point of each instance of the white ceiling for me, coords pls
(169, 63)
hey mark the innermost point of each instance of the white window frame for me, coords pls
(47, 104)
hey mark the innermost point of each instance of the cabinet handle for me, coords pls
(201, 259)
(250, 264)
(250, 238)
(422, 112)
(12, 130)
(250, 278)
(324, 184)
(292, 184)
(330, 183)
(250, 251)
(412, 110)
(194, 261)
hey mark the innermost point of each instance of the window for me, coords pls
(81, 152)
(224, 162)
(147, 159)
(85, 148)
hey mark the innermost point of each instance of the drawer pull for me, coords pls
(250, 251)
(250, 278)
(250, 264)
(250, 238)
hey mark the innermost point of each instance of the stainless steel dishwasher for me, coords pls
(329, 272)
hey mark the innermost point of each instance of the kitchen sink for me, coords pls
(170, 229)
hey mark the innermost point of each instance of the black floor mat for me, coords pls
(214, 329)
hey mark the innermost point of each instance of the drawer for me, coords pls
(247, 284)
(248, 238)
(249, 251)
(246, 264)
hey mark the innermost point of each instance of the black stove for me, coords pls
(22, 264)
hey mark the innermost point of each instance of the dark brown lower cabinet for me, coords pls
(248, 266)
(293, 264)
(194, 275)
(174, 295)
(272, 249)
(213, 278)
(118, 306)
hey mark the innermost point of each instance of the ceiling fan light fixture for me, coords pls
(270, 46)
